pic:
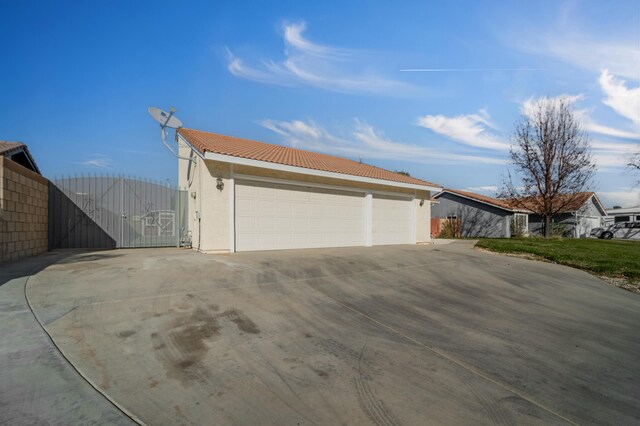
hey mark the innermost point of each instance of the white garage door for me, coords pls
(586, 224)
(392, 221)
(272, 216)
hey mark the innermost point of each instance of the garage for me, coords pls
(272, 216)
(249, 196)
(392, 220)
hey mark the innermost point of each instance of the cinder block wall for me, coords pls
(24, 197)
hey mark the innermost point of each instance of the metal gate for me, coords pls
(115, 212)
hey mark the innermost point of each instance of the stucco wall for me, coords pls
(23, 211)
(423, 220)
(476, 219)
(210, 220)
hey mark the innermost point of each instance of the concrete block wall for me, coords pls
(24, 197)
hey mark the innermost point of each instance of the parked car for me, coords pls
(624, 230)
(595, 232)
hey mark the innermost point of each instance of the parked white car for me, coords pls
(624, 230)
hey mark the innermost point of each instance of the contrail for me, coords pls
(471, 69)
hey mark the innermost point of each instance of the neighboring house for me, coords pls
(479, 215)
(619, 214)
(18, 153)
(482, 216)
(576, 219)
(247, 195)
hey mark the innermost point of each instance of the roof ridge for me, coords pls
(275, 145)
(291, 156)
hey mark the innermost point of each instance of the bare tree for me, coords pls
(551, 160)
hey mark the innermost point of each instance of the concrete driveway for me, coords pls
(385, 335)
(37, 385)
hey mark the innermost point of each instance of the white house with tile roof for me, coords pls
(246, 195)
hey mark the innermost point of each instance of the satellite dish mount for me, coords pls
(167, 119)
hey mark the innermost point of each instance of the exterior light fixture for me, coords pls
(421, 202)
(219, 184)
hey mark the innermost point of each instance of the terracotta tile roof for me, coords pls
(574, 205)
(244, 148)
(496, 202)
(6, 146)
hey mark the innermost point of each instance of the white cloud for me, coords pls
(600, 129)
(606, 154)
(363, 141)
(625, 197)
(612, 155)
(472, 129)
(99, 162)
(583, 115)
(237, 67)
(528, 106)
(485, 189)
(325, 67)
(621, 56)
(620, 98)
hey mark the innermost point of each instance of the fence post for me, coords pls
(176, 220)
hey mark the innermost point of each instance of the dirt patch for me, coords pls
(528, 256)
(243, 323)
(125, 333)
(623, 283)
(183, 344)
(320, 373)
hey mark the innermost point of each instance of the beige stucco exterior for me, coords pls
(211, 217)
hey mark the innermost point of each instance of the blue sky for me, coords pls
(77, 78)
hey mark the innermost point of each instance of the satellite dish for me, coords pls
(166, 119)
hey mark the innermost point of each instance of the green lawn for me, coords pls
(612, 258)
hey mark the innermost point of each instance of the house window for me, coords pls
(452, 217)
(638, 218)
(519, 225)
(618, 219)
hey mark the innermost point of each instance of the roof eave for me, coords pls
(482, 202)
(208, 155)
(190, 145)
(599, 204)
(17, 150)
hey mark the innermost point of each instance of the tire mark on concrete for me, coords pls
(374, 408)
(250, 356)
(439, 352)
(496, 415)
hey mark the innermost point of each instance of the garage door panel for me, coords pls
(265, 207)
(283, 208)
(275, 216)
(245, 191)
(266, 224)
(392, 220)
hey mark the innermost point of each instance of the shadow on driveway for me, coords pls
(37, 384)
